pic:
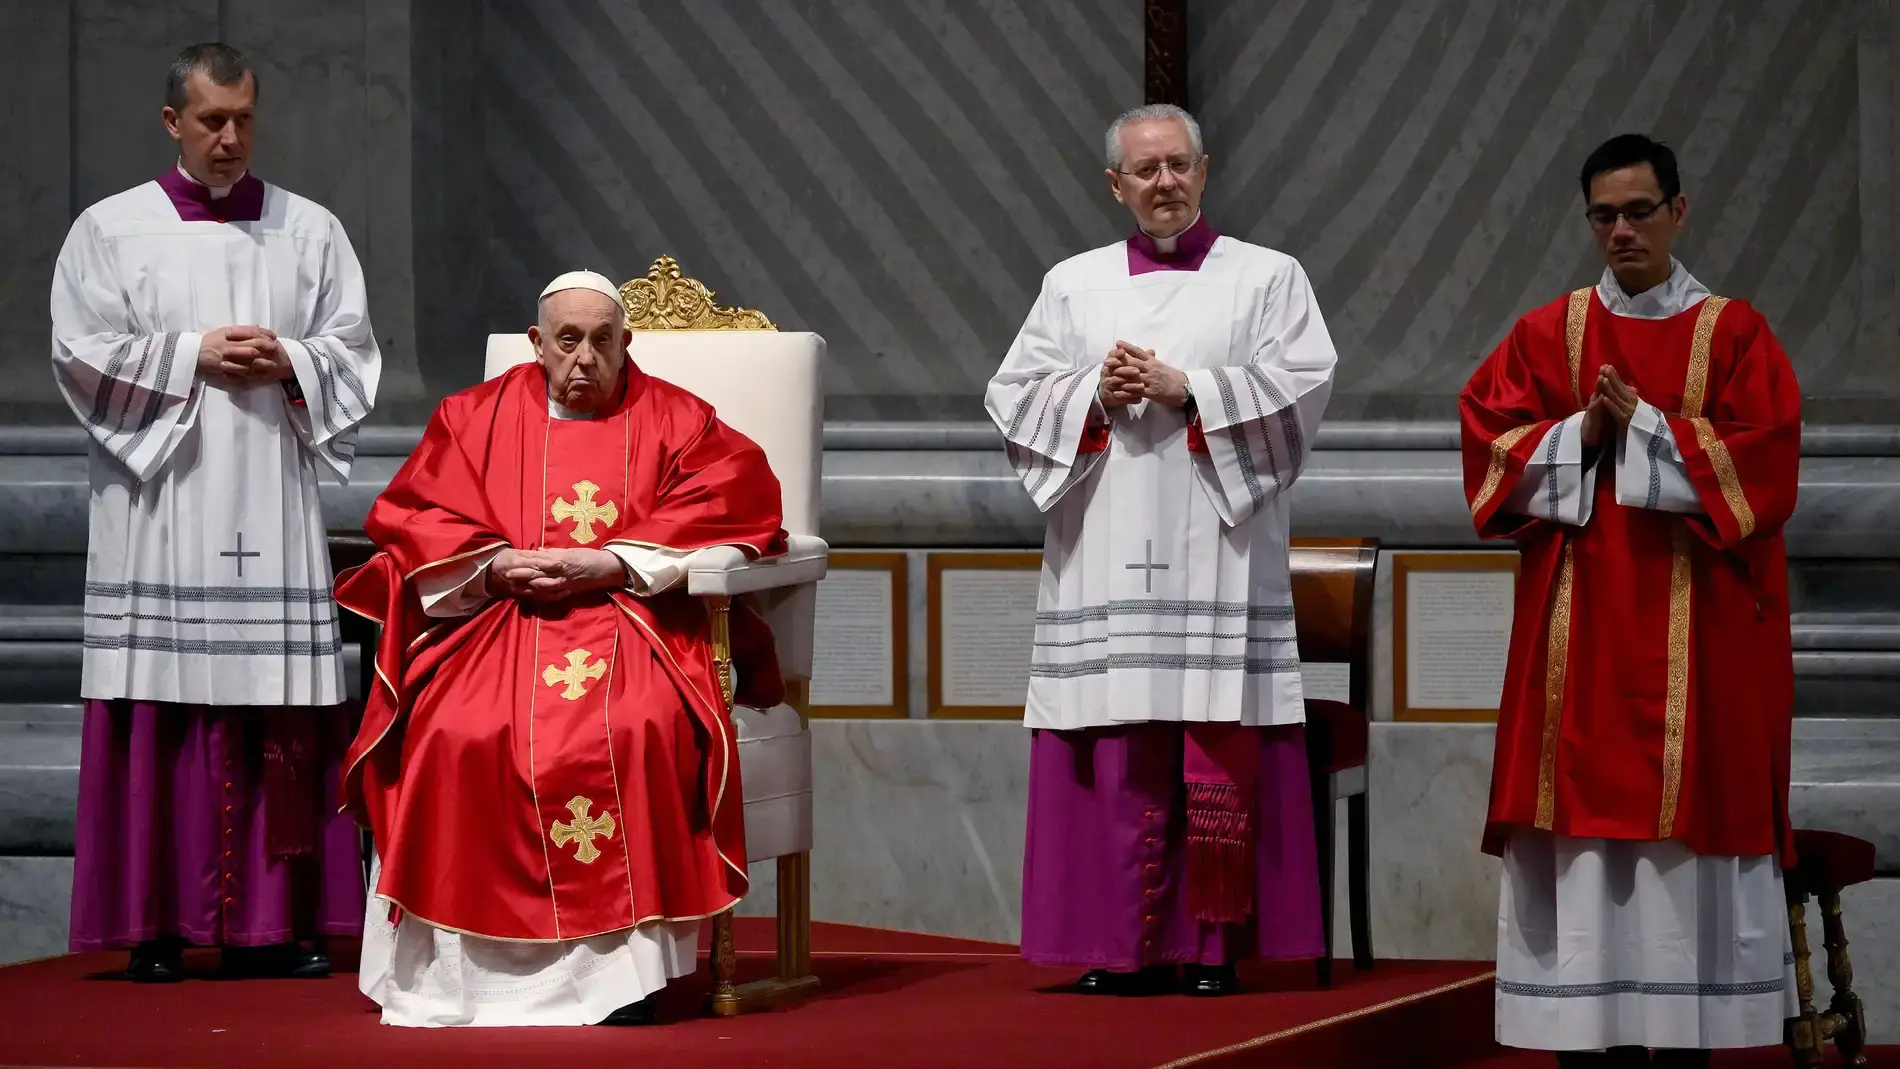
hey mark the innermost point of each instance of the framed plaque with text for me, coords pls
(861, 640)
(982, 613)
(1451, 634)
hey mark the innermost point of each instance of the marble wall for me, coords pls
(36, 896)
(1421, 160)
(898, 176)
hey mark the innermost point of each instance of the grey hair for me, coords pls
(1112, 144)
(220, 62)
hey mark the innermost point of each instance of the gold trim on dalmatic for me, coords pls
(1696, 385)
(1676, 710)
(1576, 318)
(1556, 673)
(1695, 389)
(1725, 475)
(1501, 447)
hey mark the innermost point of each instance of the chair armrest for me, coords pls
(724, 571)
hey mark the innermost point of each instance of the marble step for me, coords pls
(39, 777)
(1845, 777)
(1847, 631)
(41, 623)
(972, 498)
(48, 671)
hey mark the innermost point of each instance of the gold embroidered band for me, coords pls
(1556, 671)
(1576, 317)
(1676, 708)
(1725, 477)
(1696, 387)
(1501, 447)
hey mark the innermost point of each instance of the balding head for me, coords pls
(580, 341)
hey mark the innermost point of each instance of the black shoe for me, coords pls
(1680, 1059)
(1150, 980)
(633, 1013)
(309, 965)
(156, 962)
(278, 961)
(1211, 980)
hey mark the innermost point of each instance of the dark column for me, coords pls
(1165, 55)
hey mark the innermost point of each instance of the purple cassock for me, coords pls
(1105, 871)
(1110, 869)
(217, 825)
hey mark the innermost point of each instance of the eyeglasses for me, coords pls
(1180, 166)
(1604, 216)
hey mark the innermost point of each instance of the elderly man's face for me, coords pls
(581, 342)
(1150, 181)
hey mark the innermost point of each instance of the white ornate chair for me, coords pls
(765, 384)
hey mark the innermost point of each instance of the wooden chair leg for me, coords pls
(1323, 834)
(1358, 863)
(793, 979)
(725, 966)
(1804, 1035)
(1851, 1035)
(794, 916)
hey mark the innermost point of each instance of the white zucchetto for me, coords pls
(585, 280)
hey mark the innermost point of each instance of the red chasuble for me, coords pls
(1650, 689)
(556, 772)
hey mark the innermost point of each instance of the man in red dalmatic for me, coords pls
(547, 763)
(1640, 441)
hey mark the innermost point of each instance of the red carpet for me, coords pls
(1763, 1058)
(889, 1000)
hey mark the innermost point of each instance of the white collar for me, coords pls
(561, 411)
(1674, 296)
(217, 192)
(1166, 246)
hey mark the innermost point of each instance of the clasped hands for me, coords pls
(1131, 374)
(1612, 400)
(550, 575)
(252, 354)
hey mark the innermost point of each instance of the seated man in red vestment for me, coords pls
(1640, 440)
(547, 763)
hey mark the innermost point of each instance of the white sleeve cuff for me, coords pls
(1556, 484)
(654, 570)
(184, 373)
(448, 593)
(1650, 473)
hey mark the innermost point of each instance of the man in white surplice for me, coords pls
(1159, 401)
(211, 333)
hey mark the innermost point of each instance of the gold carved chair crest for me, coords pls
(666, 300)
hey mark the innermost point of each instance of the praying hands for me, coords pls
(1613, 400)
(244, 352)
(1131, 373)
(550, 575)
